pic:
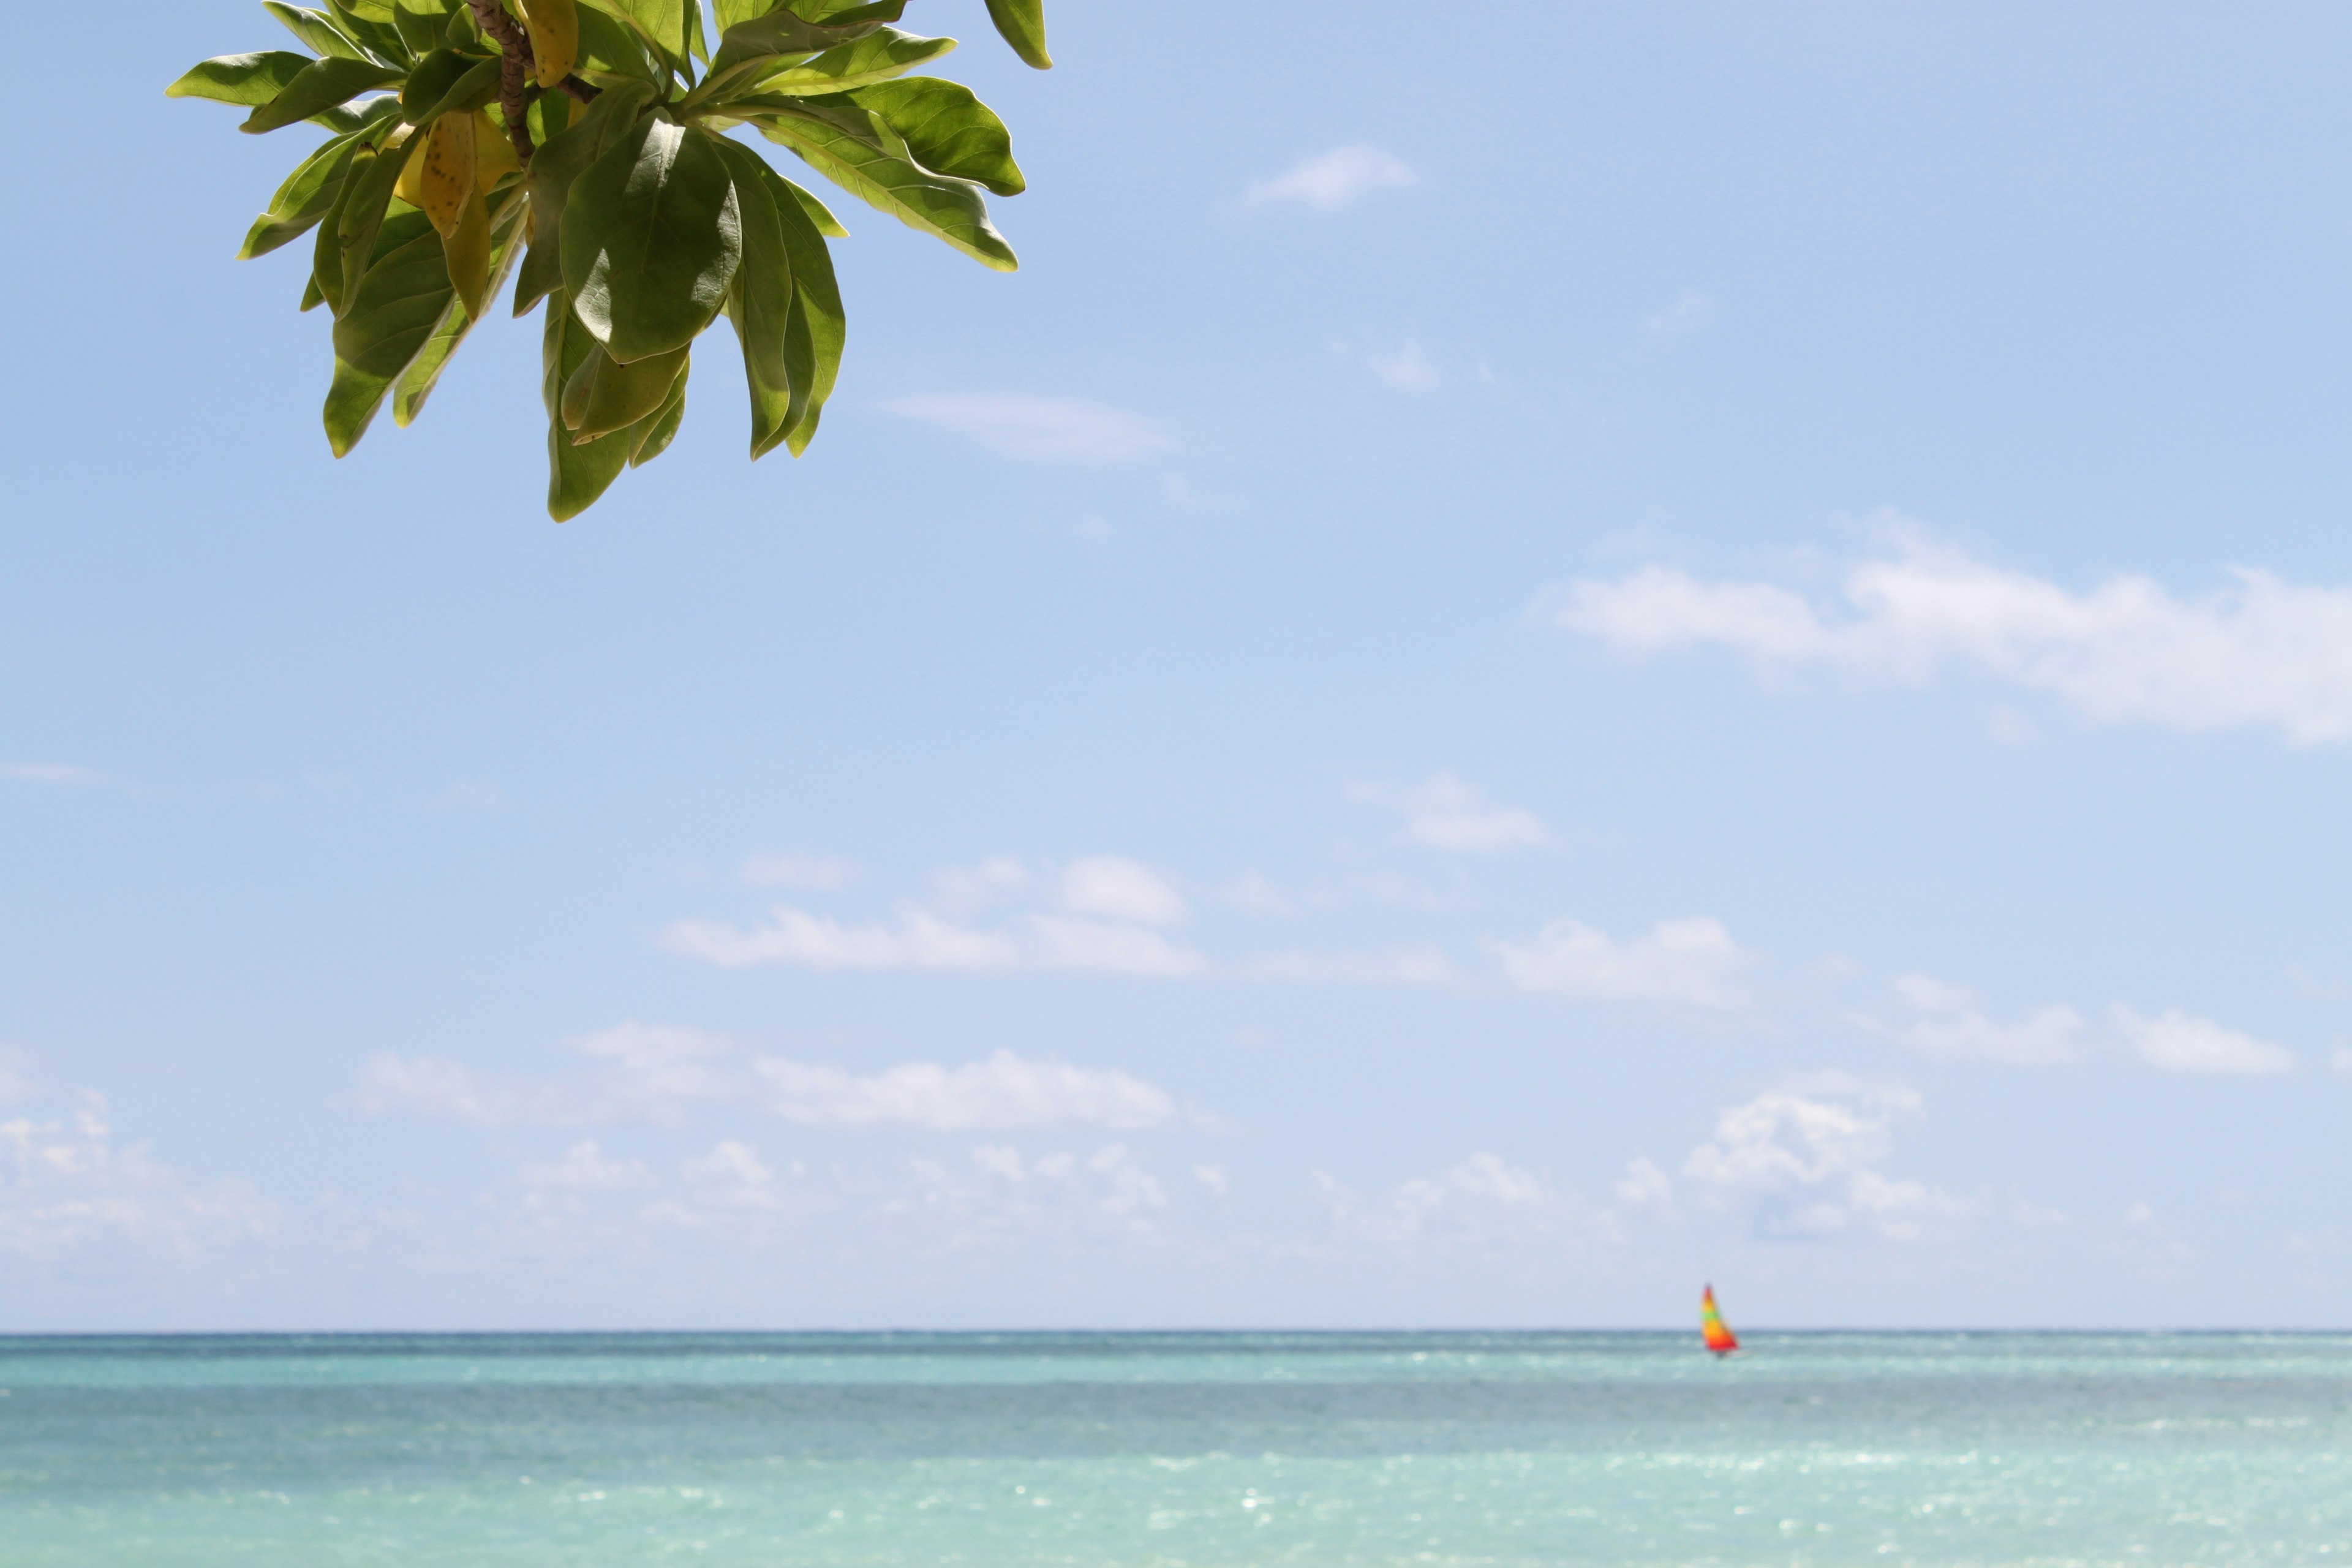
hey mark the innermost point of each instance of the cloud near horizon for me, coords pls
(658, 1075)
(2260, 651)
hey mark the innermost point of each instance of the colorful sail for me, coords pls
(1712, 1328)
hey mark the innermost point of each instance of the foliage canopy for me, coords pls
(580, 147)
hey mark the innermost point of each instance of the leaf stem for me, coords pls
(514, 70)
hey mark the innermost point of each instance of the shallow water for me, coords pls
(1428, 1450)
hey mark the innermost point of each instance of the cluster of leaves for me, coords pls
(585, 153)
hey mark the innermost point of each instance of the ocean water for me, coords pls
(983, 1450)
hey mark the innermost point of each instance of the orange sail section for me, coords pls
(1712, 1328)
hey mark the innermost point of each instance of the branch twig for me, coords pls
(514, 69)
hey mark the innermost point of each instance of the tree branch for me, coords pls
(514, 70)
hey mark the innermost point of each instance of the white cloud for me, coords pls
(643, 1073)
(1121, 889)
(1333, 180)
(1040, 429)
(1946, 1024)
(1802, 1167)
(2175, 1042)
(1484, 1202)
(1398, 966)
(918, 939)
(809, 873)
(57, 773)
(1687, 963)
(586, 1168)
(1688, 313)
(1001, 1093)
(2260, 651)
(1003, 1195)
(65, 1186)
(1443, 812)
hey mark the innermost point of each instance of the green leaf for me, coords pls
(858, 150)
(316, 29)
(361, 218)
(818, 212)
(819, 328)
(416, 383)
(610, 49)
(879, 55)
(446, 81)
(420, 23)
(557, 163)
(352, 399)
(730, 11)
(948, 130)
(308, 195)
(399, 300)
(576, 475)
(311, 297)
(846, 12)
(761, 303)
(651, 238)
(603, 395)
(316, 88)
(327, 250)
(1022, 24)
(649, 437)
(783, 31)
(369, 24)
(784, 410)
(664, 24)
(386, 323)
(251, 80)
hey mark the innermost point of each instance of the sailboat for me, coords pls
(1712, 1328)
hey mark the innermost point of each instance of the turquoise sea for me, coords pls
(1457, 1449)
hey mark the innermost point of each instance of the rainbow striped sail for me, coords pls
(1712, 1328)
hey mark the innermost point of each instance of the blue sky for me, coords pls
(1519, 668)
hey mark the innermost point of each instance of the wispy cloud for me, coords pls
(809, 873)
(1688, 313)
(2177, 1042)
(1039, 429)
(1481, 1203)
(659, 1074)
(915, 938)
(1400, 367)
(1329, 181)
(67, 1185)
(471, 795)
(1443, 812)
(56, 774)
(1687, 963)
(1397, 966)
(1945, 1022)
(2260, 651)
(1123, 889)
